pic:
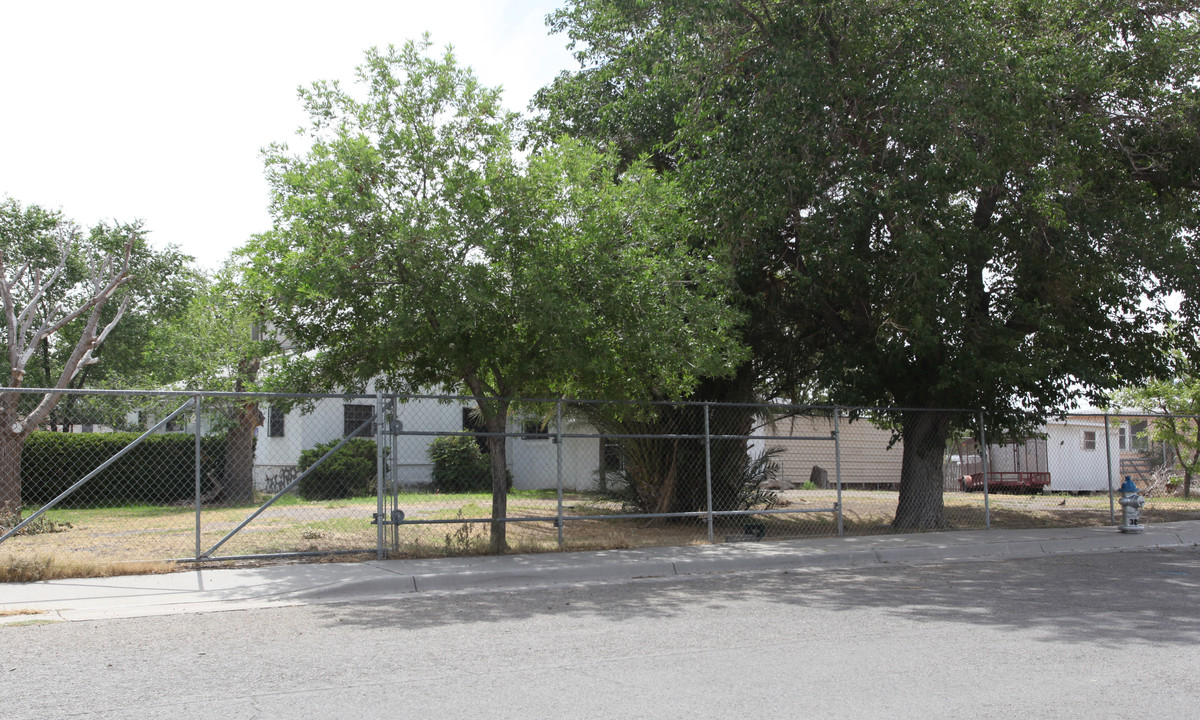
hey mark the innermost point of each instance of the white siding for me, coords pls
(1073, 465)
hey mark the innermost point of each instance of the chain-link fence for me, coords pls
(123, 476)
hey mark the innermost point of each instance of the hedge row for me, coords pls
(159, 471)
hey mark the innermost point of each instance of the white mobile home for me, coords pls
(1072, 452)
(1080, 457)
(532, 454)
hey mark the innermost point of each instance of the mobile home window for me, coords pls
(534, 430)
(610, 455)
(1089, 439)
(275, 422)
(1139, 436)
(355, 415)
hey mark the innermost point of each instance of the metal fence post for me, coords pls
(708, 469)
(1112, 511)
(393, 476)
(983, 458)
(199, 456)
(558, 440)
(837, 467)
(379, 463)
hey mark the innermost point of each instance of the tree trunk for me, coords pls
(920, 506)
(499, 459)
(11, 446)
(729, 457)
(238, 473)
(681, 470)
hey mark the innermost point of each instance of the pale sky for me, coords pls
(116, 110)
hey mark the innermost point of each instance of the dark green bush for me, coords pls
(349, 472)
(159, 471)
(459, 466)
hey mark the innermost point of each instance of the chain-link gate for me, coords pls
(81, 482)
(317, 466)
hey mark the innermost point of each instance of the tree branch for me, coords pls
(106, 279)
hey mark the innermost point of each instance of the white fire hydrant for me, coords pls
(1131, 506)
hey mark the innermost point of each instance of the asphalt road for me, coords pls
(1112, 635)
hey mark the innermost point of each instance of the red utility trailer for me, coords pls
(1019, 466)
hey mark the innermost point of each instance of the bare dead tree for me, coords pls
(29, 322)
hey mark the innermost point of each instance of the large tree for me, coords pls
(937, 205)
(412, 244)
(218, 342)
(46, 287)
(162, 283)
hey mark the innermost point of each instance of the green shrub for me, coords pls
(159, 471)
(460, 466)
(349, 472)
(648, 469)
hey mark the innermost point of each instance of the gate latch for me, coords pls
(396, 517)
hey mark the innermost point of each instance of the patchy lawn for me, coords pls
(107, 540)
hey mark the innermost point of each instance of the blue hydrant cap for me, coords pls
(1128, 486)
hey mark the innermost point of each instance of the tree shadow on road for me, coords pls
(1109, 599)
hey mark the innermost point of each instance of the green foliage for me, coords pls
(906, 230)
(77, 308)
(413, 244)
(651, 467)
(413, 222)
(460, 466)
(1175, 400)
(209, 341)
(759, 470)
(159, 471)
(928, 237)
(349, 472)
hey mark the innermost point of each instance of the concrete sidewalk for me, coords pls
(212, 590)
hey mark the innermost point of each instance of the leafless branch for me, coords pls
(29, 287)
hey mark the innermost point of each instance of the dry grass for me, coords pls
(104, 542)
(20, 612)
(48, 567)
